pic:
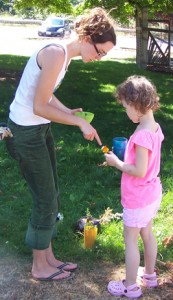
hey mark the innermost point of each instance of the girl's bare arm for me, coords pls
(138, 169)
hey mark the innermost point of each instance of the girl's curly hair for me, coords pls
(139, 92)
(96, 24)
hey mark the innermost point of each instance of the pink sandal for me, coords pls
(118, 289)
(148, 280)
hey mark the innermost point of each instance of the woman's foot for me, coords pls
(67, 266)
(49, 273)
(59, 275)
(51, 260)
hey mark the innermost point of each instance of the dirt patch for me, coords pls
(16, 282)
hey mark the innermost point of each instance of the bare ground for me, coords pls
(16, 282)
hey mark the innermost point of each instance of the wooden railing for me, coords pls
(156, 54)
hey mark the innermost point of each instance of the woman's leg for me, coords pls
(150, 248)
(36, 166)
(32, 147)
(57, 263)
(41, 269)
(132, 256)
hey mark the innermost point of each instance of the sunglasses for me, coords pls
(100, 54)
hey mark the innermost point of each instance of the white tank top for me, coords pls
(21, 109)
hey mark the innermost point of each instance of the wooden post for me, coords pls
(142, 38)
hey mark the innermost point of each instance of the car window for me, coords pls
(57, 22)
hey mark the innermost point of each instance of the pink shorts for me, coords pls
(140, 217)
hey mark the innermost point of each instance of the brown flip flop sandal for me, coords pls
(51, 277)
(63, 265)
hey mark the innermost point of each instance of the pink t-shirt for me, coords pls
(139, 192)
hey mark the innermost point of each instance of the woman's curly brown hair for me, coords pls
(96, 24)
(139, 92)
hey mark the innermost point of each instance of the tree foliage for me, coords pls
(51, 6)
(121, 10)
(125, 9)
(4, 5)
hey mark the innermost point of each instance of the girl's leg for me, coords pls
(150, 248)
(132, 256)
(128, 287)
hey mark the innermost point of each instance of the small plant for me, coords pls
(90, 231)
(108, 216)
(89, 219)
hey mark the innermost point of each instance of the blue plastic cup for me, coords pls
(119, 146)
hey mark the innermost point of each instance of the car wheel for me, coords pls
(62, 35)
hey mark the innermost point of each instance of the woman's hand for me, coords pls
(5, 132)
(89, 132)
(73, 111)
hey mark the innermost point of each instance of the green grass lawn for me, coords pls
(84, 182)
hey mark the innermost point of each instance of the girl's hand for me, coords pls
(112, 160)
(138, 169)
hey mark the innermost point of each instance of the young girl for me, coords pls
(141, 189)
(32, 145)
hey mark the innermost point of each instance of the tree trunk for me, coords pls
(142, 38)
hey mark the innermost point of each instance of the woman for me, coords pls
(31, 113)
